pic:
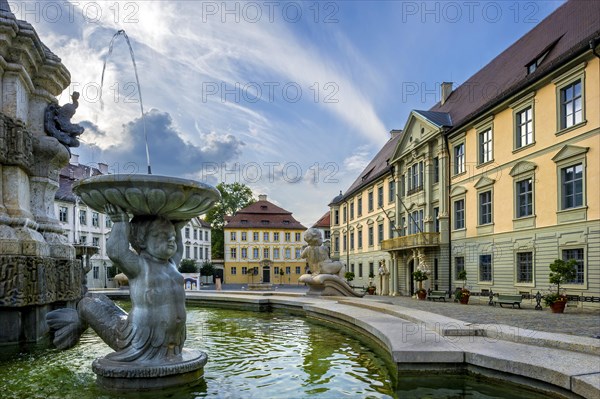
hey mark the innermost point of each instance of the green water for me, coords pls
(251, 355)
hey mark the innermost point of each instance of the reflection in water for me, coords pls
(250, 355)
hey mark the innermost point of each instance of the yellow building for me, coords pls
(364, 216)
(524, 159)
(263, 243)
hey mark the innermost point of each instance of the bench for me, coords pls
(508, 299)
(433, 295)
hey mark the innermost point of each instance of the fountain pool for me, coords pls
(251, 354)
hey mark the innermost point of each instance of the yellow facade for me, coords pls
(267, 249)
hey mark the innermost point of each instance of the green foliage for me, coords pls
(207, 269)
(553, 297)
(371, 275)
(188, 266)
(562, 272)
(281, 272)
(462, 275)
(349, 276)
(234, 197)
(420, 276)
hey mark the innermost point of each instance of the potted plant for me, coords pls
(349, 276)
(561, 272)
(371, 287)
(463, 294)
(420, 276)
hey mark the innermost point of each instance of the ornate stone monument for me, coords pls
(327, 275)
(38, 268)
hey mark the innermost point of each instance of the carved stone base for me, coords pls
(131, 377)
(327, 285)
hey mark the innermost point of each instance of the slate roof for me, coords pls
(68, 176)
(324, 222)
(566, 33)
(440, 119)
(375, 169)
(265, 215)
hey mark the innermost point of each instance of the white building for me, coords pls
(85, 226)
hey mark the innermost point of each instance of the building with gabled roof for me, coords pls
(263, 243)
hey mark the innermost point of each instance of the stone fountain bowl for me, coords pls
(170, 197)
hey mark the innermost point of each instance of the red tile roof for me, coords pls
(324, 222)
(265, 215)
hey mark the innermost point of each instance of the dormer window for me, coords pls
(286, 222)
(263, 207)
(264, 222)
(537, 61)
(244, 221)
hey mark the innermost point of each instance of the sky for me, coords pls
(291, 98)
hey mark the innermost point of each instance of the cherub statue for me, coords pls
(57, 122)
(155, 327)
(317, 255)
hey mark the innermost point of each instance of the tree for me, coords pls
(188, 266)
(234, 197)
(349, 276)
(207, 269)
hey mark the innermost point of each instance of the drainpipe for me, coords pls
(449, 212)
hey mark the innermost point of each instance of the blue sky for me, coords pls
(291, 98)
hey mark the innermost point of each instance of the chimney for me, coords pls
(262, 197)
(446, 90)
(74, 160)
(395, 132)
(103, 168)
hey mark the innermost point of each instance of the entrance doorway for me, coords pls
(266, 276)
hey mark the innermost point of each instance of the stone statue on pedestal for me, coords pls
(57, 122)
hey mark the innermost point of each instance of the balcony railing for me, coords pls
(411, 241)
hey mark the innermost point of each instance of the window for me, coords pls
(524, 121)
(352, 267)
(344, 242)
(327, 234)
(436, 219)
(336, 217)
(255, 236)
(524, 267)
(288, 253)
(95, 219)
(370, 236)
(379, 197)
(232, 253)
(288, 270)
(244, 270)
(276, 237)
(415, 181)
(233, 270)
(370, 201)
(336, 244)
(206, 236)
(63, 213)
(359, 207)
(266, 237)
(266, 253)
(187, 232)
(244, 236)
(298, 237)
(200, 253)
(485, 146)
(415, 225)
(459, 159)
(298, 270)
(232, 235)
(206, 253)
(392, 229)
(96, 241)
(107, 222)
(352, 241)
(524, 198)
(275, 253)
(485, 207)
(344, 212)
(187, 252)
(96, 274)
(572, 186)
(371, 269)
(459, 214)
(83, 217)
(288, 237)
(402, 185)
(195, 252)
(402, 226)
(351, 210)
(380, 233)
(298, 253)
(391, 191)
(576, 254)
(276, 270)
(359, 235)
(360, 270)
(485, 267)
(195, 234)
(255, 253)
(459, 265)
(571, 106)
(436, 170)
(244, 253)
(83, 239)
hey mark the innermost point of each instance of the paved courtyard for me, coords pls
(575, 320)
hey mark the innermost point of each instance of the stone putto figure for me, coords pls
(57, 122)
(317, 255)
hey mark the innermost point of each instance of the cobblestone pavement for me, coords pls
(575, 320)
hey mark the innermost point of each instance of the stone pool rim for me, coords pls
(417, 341)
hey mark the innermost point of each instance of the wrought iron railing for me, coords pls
(411, 241)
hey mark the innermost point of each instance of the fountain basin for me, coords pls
(171, 197)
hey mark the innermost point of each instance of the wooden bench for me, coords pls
(433, 295)
(508, 299)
